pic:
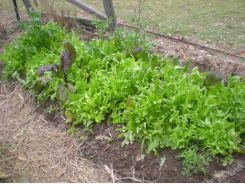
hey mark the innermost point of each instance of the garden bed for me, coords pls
(130, 163)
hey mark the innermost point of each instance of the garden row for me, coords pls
(157, 101)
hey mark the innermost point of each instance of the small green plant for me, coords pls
(163, 159)
(194, 162)
(4, 150)
(21, 179)
(101, 25)
(142, 156)
(124, 156)
(109, 140)
(138, 13)
(10, 31)
(51, 109)
(127, 40)
(84, 138)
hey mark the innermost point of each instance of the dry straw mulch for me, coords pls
(35, 150)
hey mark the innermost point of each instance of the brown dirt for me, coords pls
(129, 165)
(38, 148)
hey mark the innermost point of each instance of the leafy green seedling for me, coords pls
(50, 109)
(109, 140)
(84, 138)
(124, 156)
(101, 26)
(142, 156)
(163, 159)
(194, 162)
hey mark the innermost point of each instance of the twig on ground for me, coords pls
(134, 179)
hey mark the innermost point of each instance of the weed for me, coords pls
(2, 152)
(163, 159)
(127, 40)
(124, 156)
(51, 109)
(22, 178)
(109, 140)
(84, 138)
(4, 149)
(138, 17)
(10, 31)
(142, 156)
(101, 25)
(194, 162)
(55, 11)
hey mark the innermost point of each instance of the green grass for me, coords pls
(215, 21)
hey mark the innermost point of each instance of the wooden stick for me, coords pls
(110, 13)
(88, 9)
(27, 4)
(16, 10)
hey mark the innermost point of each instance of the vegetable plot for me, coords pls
(155, 100)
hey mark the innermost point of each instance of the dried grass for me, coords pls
(35, 150)
(56, 14)
(3, 31)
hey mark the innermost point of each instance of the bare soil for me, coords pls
(40, 149)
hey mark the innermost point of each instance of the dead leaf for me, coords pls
(3, 175)
(243, 54)
(138, 158)
(183, 54)
(22, 157)
(73, 181)
(41, 117)
(107, 147)
(42, 164)
(88, 152)
(60, 172)
(67, 143)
